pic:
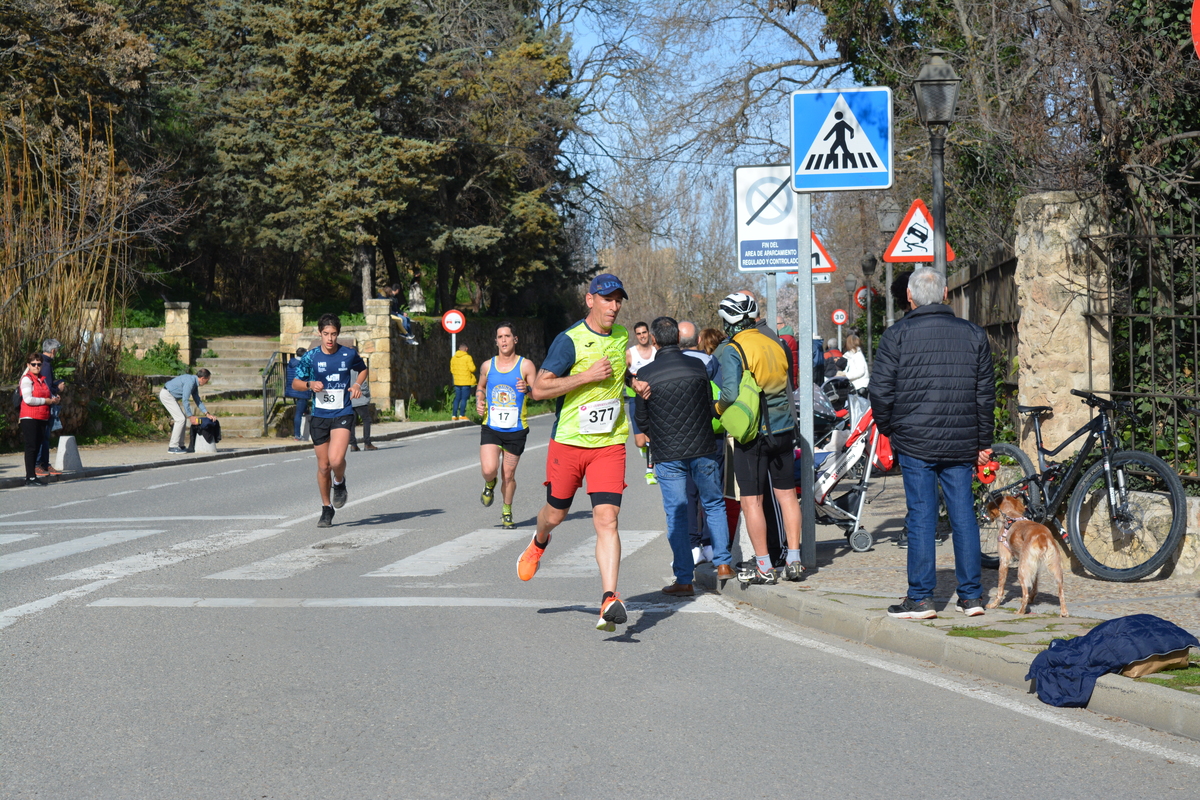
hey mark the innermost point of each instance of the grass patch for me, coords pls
(116, 425)
(1180, 678)
(161, 359)
(979, 633)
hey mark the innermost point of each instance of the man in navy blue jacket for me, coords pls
(933, 393)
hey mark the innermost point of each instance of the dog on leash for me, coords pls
(1033, 546)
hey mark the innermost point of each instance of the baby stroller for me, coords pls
(849, 448)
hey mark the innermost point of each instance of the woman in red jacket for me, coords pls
(36, 400)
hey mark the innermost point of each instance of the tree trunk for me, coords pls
(389, 262)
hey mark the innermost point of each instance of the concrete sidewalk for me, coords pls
(849, 593)
(116, 458)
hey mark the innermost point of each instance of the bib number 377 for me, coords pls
(599, 417)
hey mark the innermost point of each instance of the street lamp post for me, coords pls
(868, 269)
(888, 213)
(851, 284)
(936, 92)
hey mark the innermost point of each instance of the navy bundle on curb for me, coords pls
(1066, 672)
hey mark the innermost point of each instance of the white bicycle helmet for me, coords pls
(738, 308)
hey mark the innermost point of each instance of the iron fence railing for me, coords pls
(1153, 318)
(273, 375)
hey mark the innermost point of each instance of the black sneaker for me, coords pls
(326, 520)
(340, 494)
(792, 572)
(971, 606)
(756, 576)
(34, 482)
(902, 540)
(913, 609)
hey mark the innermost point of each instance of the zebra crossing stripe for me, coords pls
(449, 556)
(580, 562)
(293, 562)
(50, 552)
(9, 538)
(165, 557)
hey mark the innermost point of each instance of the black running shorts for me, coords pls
(319, 427)
(512, 441)
(753, 462)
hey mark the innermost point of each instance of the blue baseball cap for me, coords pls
(606, 284)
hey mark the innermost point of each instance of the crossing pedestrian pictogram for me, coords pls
(913, 240)
(841, 139)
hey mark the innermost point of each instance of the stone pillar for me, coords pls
(291, 324)
(379, 325)
(178, 329)
(91, 316)
(1062, 290)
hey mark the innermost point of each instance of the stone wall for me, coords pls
(140, 339)
(1060, 283)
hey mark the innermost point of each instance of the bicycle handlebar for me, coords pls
(1105, 405)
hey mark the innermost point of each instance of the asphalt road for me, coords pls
(189, 632)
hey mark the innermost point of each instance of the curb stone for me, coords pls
(1158, 707)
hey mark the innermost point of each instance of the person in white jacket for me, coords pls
(856, 364)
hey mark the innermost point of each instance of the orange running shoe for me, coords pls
(527, 564)
(612, 613)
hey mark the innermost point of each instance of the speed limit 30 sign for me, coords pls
(839, 317)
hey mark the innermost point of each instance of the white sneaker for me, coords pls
(697, 556)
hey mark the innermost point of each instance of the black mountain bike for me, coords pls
(1126, 511)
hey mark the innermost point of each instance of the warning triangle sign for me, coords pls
(820, 256)
(913, 240)
(840, 146)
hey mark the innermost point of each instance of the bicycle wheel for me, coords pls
(1135, 537)
(1015, 466)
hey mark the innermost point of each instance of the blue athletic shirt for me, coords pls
(333, 371)
(505, 405)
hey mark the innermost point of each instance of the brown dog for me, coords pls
(1033, 545)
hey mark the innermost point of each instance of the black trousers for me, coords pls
(33, 433)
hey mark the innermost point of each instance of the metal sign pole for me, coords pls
(804, 405)
(771, 289)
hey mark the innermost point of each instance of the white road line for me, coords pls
(394, 489)
(162, 485)
(449, 556)
(165, 557)
(130, 491)
(11, 615)
(230, 471)
(111, 520)
(9, 538)
(290, 460)
(729, 612)
(318, 602)
(580, 562)
(19, 513)
(202, 478)
(285, 565)
(38, 555)
(71, 503)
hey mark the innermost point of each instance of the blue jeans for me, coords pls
(461, 395)
(705, 472)
(697, 528)
(921, 479)
(301, 407)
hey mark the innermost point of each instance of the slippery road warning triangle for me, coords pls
(820, 256)
(913, 240)
(840, 146)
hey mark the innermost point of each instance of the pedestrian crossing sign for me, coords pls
(841, 139)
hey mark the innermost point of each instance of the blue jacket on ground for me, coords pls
(1066, 672)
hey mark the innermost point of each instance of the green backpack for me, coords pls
(740, 420)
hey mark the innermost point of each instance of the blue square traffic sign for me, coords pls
(841, 139)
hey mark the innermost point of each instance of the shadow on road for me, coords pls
(650, 609)
(391, 519)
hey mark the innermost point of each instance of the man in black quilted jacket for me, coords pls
(932, 392)
(676, 412)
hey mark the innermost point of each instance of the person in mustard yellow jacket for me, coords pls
(462, 370)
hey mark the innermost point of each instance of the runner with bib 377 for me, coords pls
(584, 369)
